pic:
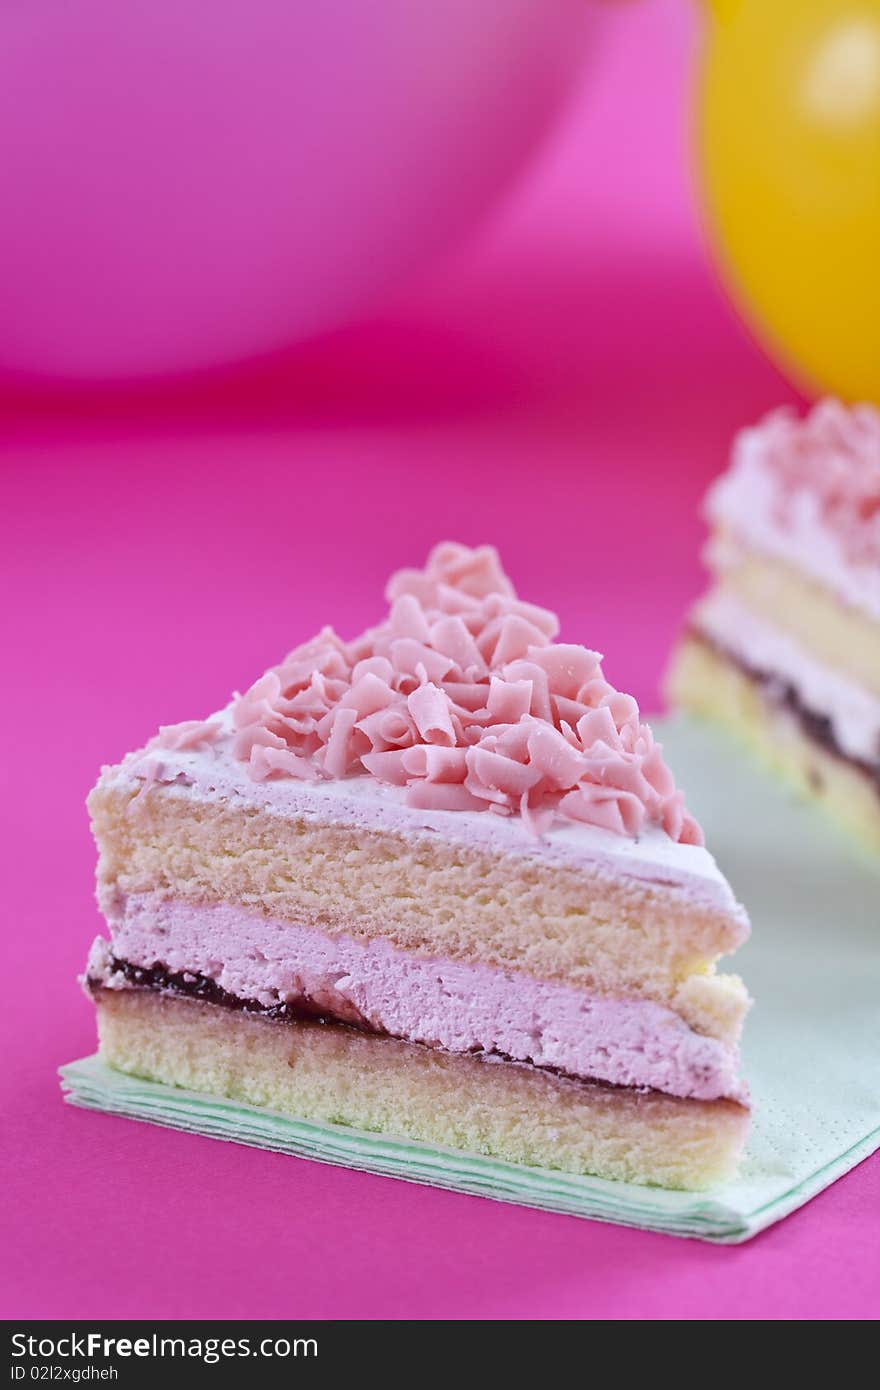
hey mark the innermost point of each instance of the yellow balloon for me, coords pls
(789, 149)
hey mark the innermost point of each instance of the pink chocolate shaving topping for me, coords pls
(834, 455)
(462, 697)
(192, 733)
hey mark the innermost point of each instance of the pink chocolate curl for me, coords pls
(192, 733)
(830, 461)
(462, 698)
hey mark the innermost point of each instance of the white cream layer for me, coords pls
(212, 774)
(442, 1003)
(746, 504)
(854, 714)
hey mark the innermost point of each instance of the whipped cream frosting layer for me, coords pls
(806, 493)
(440, 1003)
(854, 714)
(211, 773)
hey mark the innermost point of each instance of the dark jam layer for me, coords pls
(817, 727)
(194, 986)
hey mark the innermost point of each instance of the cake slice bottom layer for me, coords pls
(334, 1074)
(708, 682)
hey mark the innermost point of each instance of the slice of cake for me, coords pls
(785, 648)
(436, 882)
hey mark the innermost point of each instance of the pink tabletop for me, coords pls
(566, 390)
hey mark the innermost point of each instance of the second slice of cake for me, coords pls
(785, 647)
(436, 882)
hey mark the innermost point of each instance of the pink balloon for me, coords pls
(190, 182)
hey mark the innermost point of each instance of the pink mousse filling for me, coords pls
(442, 1003)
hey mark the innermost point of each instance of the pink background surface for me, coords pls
(566, 389)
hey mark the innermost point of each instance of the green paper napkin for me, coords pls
(811, 1052)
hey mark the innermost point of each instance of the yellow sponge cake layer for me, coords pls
(834, 633)
(336, 1075)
